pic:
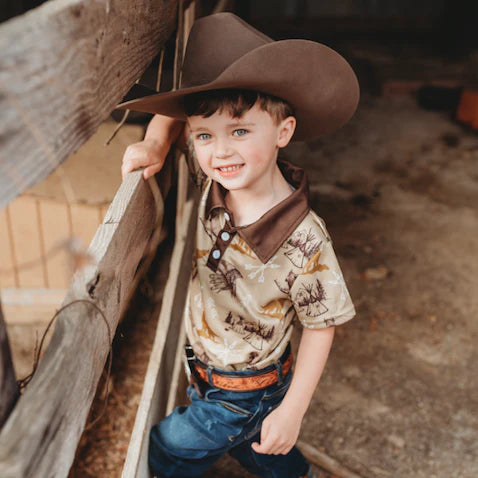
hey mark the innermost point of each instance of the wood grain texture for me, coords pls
(159, 376)
(8, 385)
(41, 435)
(64, 66)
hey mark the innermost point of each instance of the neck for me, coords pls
(249, 205)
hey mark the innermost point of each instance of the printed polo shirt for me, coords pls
(249, 284)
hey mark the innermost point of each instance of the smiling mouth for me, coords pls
(231, 168)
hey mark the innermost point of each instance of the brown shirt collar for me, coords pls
(268, 233)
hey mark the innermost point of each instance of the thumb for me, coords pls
(256, 447)
(259, 447)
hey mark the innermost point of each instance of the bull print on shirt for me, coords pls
(302, 245)
(253, 332)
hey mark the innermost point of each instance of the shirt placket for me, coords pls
(223, 239)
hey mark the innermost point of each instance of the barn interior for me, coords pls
(397, 187)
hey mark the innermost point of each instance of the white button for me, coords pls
(216, 254)
(225, 236)
(227, 217)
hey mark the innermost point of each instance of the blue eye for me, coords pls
(203, 136)
(240, 132)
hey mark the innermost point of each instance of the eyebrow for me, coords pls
(238, 123)
(229, 125)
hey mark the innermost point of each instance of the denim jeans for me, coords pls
(193, 437)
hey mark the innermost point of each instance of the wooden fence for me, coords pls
(64, 66)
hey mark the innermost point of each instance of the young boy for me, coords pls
(262, 257)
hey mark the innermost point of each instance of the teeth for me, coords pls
(231, 168)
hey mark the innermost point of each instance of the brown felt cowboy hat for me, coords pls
(223, 51)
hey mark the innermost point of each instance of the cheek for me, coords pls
(258, 153)
(202, 157)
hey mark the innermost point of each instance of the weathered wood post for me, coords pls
(64, 66)
(8, 385)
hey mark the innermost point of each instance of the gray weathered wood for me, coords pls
(63, 68)
(41, 434)
(8, 384)
(159, 377)
(163, 376)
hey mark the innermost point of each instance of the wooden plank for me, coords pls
(158, 377)
(164, 375)
(55, 228)
(27, 243)
(178, 370)
(41, 434)
(8, 385)
(64, 66)
(8, 276)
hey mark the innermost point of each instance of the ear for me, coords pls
(286, 130)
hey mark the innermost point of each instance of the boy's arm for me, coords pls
(280, 429)
(151, 153)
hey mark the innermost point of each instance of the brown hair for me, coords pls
(236, 102)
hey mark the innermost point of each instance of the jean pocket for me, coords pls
(240, 403)
(234, 408)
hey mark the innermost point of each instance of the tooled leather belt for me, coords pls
(243, 382)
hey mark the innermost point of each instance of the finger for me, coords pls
(286, 450)
(267, 446)
(275, 449)
(134, 162)
(152, 170)
(132, 151)
(280, 447)
(260, 448)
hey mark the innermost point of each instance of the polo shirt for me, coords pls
(249, 284)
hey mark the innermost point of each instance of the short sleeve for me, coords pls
(319, 293)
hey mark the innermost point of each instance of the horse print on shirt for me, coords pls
(302, 245)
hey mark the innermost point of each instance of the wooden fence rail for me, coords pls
(63, 68)
(42, 432)
(8, 385)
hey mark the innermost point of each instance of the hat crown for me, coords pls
(214, 43)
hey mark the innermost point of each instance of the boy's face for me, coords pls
(240, 153)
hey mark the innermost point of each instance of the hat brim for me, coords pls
(314, 79)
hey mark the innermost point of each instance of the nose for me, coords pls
(222, 149)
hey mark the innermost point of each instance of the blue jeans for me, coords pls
(193, 437)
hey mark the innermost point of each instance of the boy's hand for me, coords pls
(148, 153)
(279, 432)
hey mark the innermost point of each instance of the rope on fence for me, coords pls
(22, 383)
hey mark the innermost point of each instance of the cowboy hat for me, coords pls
(223, 51)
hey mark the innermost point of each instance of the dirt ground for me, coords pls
(398, 189)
